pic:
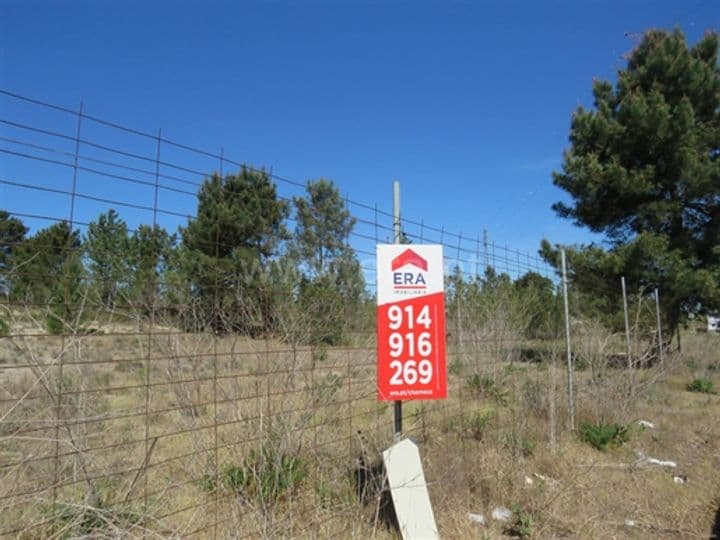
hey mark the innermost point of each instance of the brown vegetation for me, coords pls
(165, 433)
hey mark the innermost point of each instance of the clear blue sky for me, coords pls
(468, 104)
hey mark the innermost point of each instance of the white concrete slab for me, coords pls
(409, 491)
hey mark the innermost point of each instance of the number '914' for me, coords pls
(397, 314)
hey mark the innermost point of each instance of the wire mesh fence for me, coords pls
(168, 370)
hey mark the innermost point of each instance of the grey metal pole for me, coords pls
(659, 325)
(397, 429)
(627, 324)
(571, 399)
(486, 253)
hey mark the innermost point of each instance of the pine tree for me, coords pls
(237, 230)
(323, 226)
(12, 234)
(48, 275)
(536, 294)
(150, 250)
(332, 284)
(107, 247)
(644, 169)
(68, 293)
(41, 260)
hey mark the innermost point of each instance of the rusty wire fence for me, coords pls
(133, 416)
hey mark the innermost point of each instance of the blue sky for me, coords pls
(468, 104)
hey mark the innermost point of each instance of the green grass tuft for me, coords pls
(701, 385)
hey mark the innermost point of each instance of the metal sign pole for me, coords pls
(397, 429)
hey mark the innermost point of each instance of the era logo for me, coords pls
(406, 279)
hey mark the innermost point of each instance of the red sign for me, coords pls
(411, 323)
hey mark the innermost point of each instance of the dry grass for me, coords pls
(146, 427)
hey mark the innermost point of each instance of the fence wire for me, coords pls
(133, 413)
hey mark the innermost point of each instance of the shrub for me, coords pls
(323, 306)
(531, 355)
(486, 385)
(264, 477)
(4, 328)
(580, 363)
(602, 436)
(54, 323)
(522, 524)
(324, 389)
(702, 385)
(477, 383)
(81, 520)
(533, 396)
(479, 422)
(518, 445)
(456, 367)
(319, 354)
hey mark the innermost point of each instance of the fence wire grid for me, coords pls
(134, 415)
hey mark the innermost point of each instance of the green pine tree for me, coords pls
(238, 229)
(150, 251)
(644, 169)
(332, 284)
(536, 294)
(40, 261)
(12, 234)
(323, 226)
(48, 276)
(107, 248)
(67, 307)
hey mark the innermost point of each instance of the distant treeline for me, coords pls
(234, 267)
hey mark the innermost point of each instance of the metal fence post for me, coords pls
(659, 324)
(627, 324)
(571, 399)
